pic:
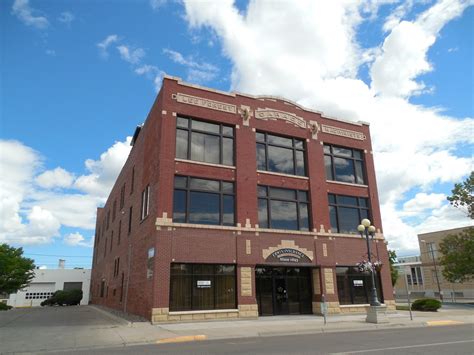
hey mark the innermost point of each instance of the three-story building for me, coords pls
(233, 205)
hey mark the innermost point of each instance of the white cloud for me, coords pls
(422, 202)
(33, 209)
(316, 64)
(27, 15)
(55, 178)
(104, 45)
(51, 52)
(76, 239)
(133, 56)
(151, 72)
(198, 72)
(66, 17)
(156, 4)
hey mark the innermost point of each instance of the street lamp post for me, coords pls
(431, 251)
(367, 231)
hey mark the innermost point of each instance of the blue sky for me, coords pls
(77, 77)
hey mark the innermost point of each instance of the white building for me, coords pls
(46, 282)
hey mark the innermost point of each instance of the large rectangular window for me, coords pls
(203, 201)
(145, 202)
(283, 208)
(202, 287)
(280, 154)
(346, 212)
(354, 287)
(204, 141)
(344, 164)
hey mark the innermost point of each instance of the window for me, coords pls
(116, 267)
(130, 220)
(204, 141)
(432, 251)
(132, 184)
(203, 201)
(119, 232)
(111, 240)
(122, 196)
(108, 220)
(346, 212)
(344, 164)
(145, 202)
(150, 263)
(416, 277)
(283, 208)
(114, 213)
(102, 288)
(280, 154)
(354, 287)
(105, 247)
(202, 286)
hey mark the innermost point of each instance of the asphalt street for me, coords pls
(427, 340)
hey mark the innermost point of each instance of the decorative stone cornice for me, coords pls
(290, 244)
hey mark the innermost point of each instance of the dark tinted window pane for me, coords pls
(342, 151)
(282, 193)
(327, 149)
(283, 215)
(225, 292)
(280, 160)
(348, 219)
(203, 269)
(347, 200)
(364, 214)
(300, 168)
(304, 217)
(204, 208)
(205, 126)
(225, 269)
(344, 169)
(299, 144)
(261, 157)
(302, 196)
(181, 144)
(333, 219)
(203, 296)
(279, 140)
(332, 198)
(205, 148)
(227, 187)
(262, 190)
(328, 167)
(260, 137)
(262, 213)
(227, 131)
(182, 122)
(204, 184)
(179, 206)
(357, 154)
(181, 269)
(180, 293)
(228, 210)
(359, 172)
(227, 151)
(180, 181)
(362, 202)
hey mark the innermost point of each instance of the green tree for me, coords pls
(457, 256)
(462, 195)
(16, 271)
(392, 258)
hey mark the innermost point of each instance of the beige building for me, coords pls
(423, 273)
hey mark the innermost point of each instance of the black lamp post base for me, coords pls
(377, 314)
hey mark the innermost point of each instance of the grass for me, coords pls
(402, 308)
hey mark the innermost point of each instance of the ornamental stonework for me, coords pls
(343, 132)
(206, 103)
(288, 250)
(271, 114)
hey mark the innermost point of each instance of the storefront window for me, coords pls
(353, 286)
(202, 287)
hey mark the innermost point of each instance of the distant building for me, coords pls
(237, 206)
(420, 274)
(47, 281)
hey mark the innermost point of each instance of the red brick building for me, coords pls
(232, 205)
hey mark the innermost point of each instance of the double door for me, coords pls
(283, 291)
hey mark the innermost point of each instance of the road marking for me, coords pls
(434, 323)
(404, 347)
(182, 339)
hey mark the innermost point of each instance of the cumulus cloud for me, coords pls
(133, 56)
(197, 72)
(35, 203)
(104, 45)
(317, 64)
(28, 15)
(76, 239)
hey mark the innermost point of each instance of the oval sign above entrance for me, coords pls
(288, 255)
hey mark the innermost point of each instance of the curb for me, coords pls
(112, 316)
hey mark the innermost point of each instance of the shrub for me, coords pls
(426, 305)
(64, 298)
(4, 307)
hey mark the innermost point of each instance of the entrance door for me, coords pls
(283, 291)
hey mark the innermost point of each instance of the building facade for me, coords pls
(48, 281)
(231, 205)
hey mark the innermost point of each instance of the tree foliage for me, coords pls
(16, 271)
(457, 256)
(462, 195)
(392, 258)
